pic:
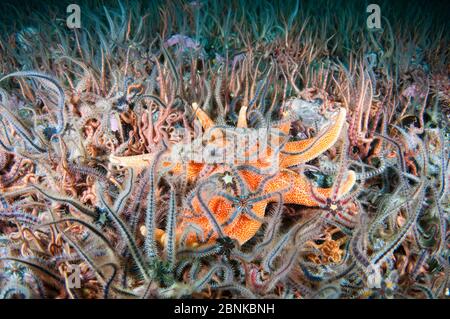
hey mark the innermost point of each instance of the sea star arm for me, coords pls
(242, 119)
(344, 189)
(285, 125)
(299, 188)
(306, 150)
(134, 161)
(201, 115)
(143, 161)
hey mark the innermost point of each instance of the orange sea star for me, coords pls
(240, 216)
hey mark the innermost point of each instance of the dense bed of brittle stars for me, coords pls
(103, 143)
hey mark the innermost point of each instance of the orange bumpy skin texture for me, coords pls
(293, 187)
